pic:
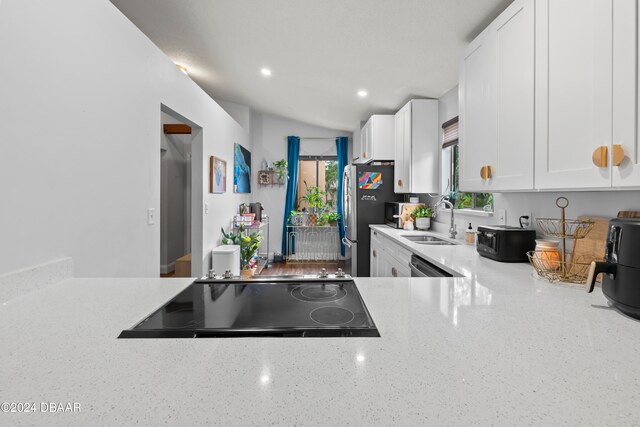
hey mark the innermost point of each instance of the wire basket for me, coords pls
(549, 265)
(573, 228)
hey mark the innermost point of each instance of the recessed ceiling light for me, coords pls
(265, 72)
(183, 69)
(362, 93)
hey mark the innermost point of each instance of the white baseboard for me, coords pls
(32, 279)
(168, 268)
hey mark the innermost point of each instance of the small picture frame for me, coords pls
(217, 175)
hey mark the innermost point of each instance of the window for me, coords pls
(321, 172)
(451, 174)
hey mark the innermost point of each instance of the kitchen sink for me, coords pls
(427, 240)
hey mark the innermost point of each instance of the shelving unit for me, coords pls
(263, 249)
(269, 177)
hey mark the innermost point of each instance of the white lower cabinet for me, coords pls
(388, 259)
(376, 255)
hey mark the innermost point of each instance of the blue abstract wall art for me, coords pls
(241, 169)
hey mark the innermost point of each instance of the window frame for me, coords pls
(454, 165)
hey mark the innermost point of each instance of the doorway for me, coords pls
(176, 147)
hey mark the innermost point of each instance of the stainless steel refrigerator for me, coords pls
(365, 190)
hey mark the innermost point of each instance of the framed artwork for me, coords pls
(217, 175)
(241, 169)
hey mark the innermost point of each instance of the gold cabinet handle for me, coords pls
(599, 156)
(400, 182)
(486, 172)
(617, 155)
(394, 272)
(364, 154)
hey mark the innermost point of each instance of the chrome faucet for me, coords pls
(445, 201)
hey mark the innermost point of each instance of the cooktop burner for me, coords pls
(274, 308)
(318, 293)
(332, 316)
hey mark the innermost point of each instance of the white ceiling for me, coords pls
(321, 52)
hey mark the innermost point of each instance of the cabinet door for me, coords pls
(625, 90)
(573, 90)
(394, 268)
(477, 98)
(513, 34)
(366, 154)
(402, 145)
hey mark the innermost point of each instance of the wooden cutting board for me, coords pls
(407, 210)
(594, 245)
(628, 214)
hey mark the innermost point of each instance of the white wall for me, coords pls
(240, 113)
(540, 204)
(269, 134)
(82, 89)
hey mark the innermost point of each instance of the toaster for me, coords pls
(505, 243)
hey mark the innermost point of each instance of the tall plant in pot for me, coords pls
(422, 216)
(315, 198)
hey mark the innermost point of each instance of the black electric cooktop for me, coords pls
(273, 307)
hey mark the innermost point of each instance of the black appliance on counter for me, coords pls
(288, 306)
(505, 243)
(621, 268)
(365, 190)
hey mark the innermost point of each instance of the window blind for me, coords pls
(450, 132)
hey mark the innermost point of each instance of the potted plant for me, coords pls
(422, 216)
(330, 218)
(281, 169)
(315, 198)
(295, 218)
(249, 243)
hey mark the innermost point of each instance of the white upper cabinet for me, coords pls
(574, 89)
(496, 104)
(376, 139)
(625, 150)
(417, 147)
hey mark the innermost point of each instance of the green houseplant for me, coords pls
(249, 244)
(330, 218)
(280, 167)
(422, 216)
(315, 198)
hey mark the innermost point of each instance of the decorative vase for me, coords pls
(333, 223)
(423, 223)
(313, 217)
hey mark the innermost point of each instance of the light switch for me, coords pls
(206, 208)
(502, 216)
(151, 216)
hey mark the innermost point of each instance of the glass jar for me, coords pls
(548, 254)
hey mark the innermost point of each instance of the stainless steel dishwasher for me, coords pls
(423, 268)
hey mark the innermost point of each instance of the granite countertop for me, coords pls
(497, 347)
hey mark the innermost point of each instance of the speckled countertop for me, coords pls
(500, 348)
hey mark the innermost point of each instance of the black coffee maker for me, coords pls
(621, 269)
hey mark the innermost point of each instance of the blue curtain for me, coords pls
(342, 144)
(293, 152)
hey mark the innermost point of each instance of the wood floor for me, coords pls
(285, 269)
